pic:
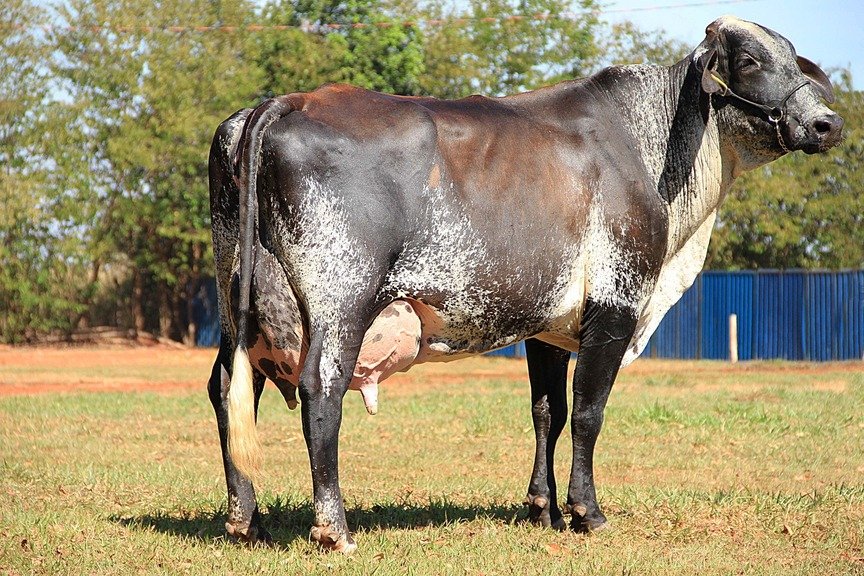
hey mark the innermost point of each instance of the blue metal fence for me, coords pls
(793, 315)
(205, 314)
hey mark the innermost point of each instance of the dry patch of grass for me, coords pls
(702, 468)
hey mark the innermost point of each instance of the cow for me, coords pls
(358, 233)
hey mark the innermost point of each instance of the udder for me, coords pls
(391, 344)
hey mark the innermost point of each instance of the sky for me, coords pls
(827, 32)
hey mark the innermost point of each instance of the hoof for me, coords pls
(582, 521)
(560, 525)
(540, 513)
(249, 535)
(331, 540)
(590, 526)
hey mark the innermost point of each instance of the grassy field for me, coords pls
(110, 464)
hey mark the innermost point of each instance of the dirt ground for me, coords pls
(44, 370)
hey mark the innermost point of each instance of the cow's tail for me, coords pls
(243, 444)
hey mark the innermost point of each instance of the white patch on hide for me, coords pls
(327, 509)
(565, 314)
(598, 268)
(649, 123)
(446, 259)
(610, 277)
(440, 347)
(773, 45)
(691, 210)
(235, 510)
(676, 276)
(329, 267)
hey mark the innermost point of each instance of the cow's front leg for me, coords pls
(324, 380)
(547, 371)
(244, 521)
(604, 335)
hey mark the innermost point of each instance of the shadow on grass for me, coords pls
(289, 520)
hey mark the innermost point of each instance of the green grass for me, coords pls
(701, 469)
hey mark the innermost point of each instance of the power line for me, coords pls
(318, 27)
(675, 6)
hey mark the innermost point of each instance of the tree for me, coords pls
(39, 278)
(364, 43)
(800, 211)
(628, 44)
(500, 47)
(144, 101)
(291, 58)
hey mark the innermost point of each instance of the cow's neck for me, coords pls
(681, 144)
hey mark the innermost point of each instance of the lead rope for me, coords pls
(774, 114)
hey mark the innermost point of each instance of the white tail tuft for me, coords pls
(243, 445)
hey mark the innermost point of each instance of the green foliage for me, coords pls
(384, 54)
(143, 107)
(499, 47)
(627, 44)
(39, 267)
(293, 60)
(364, 43)
(800, 211)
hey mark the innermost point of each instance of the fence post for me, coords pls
(733, 338)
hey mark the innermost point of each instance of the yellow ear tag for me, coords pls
(722, 84)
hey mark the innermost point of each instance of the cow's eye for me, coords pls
(746, 63)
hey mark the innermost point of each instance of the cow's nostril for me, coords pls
(827, 125)
(822, 126)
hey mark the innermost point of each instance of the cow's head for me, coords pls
(772, 96)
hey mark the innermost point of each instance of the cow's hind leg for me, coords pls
(604, 335)
(244, 521)
(547, 371)
(327, 372)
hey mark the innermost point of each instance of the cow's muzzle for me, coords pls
(816, 134)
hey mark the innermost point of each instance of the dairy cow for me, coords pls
(358, 233)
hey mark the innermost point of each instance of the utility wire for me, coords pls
(317, 27)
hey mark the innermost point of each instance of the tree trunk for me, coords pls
(193, 284)
(83, 319)
(137, 300)
(191, 326)
(178, 307)
(166, 312)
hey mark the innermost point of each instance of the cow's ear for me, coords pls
(707, 57)
(817, 77)
(711, 80)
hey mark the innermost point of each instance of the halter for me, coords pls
(774, 114)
